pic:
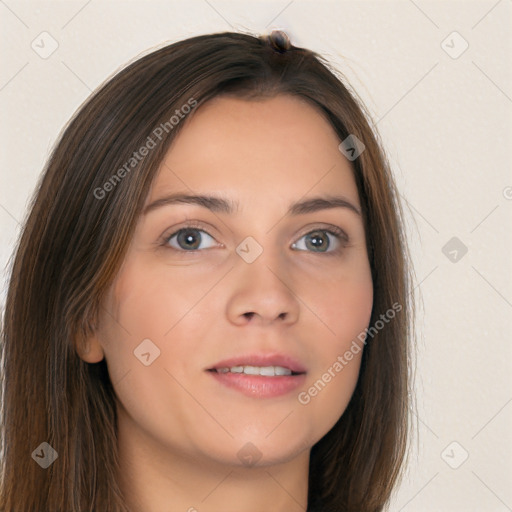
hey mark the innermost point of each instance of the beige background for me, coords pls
(446, 123)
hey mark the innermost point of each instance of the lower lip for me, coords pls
(259, 386)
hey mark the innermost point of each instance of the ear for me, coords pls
(88, 346)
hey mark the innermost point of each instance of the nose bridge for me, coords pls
(262, 258)
(262, 282)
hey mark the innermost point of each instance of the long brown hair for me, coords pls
(74, 241)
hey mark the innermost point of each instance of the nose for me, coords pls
(262, 292)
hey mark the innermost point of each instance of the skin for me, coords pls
(180, 430)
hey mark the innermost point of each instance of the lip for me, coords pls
(259, 386)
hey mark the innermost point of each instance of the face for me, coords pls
(262, 289)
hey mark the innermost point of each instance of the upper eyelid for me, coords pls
(188, 225)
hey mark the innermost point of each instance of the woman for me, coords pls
(208, 308)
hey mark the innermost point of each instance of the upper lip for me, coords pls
(261, 360)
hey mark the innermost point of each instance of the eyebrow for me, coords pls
(222, 205)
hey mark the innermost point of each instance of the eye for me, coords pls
(319, 240)
(188, 239)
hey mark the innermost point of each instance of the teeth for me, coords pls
(252, 370)
(266, 371)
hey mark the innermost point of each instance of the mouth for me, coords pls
(260, 376)
(265, 371)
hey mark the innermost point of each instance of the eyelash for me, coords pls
(338, 233)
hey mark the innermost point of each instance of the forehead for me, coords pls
(281, 144)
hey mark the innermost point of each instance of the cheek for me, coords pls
(345, 308)
(344, 301)
(150, 316)
(147, 301)
(349, 315)
(354, 311)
